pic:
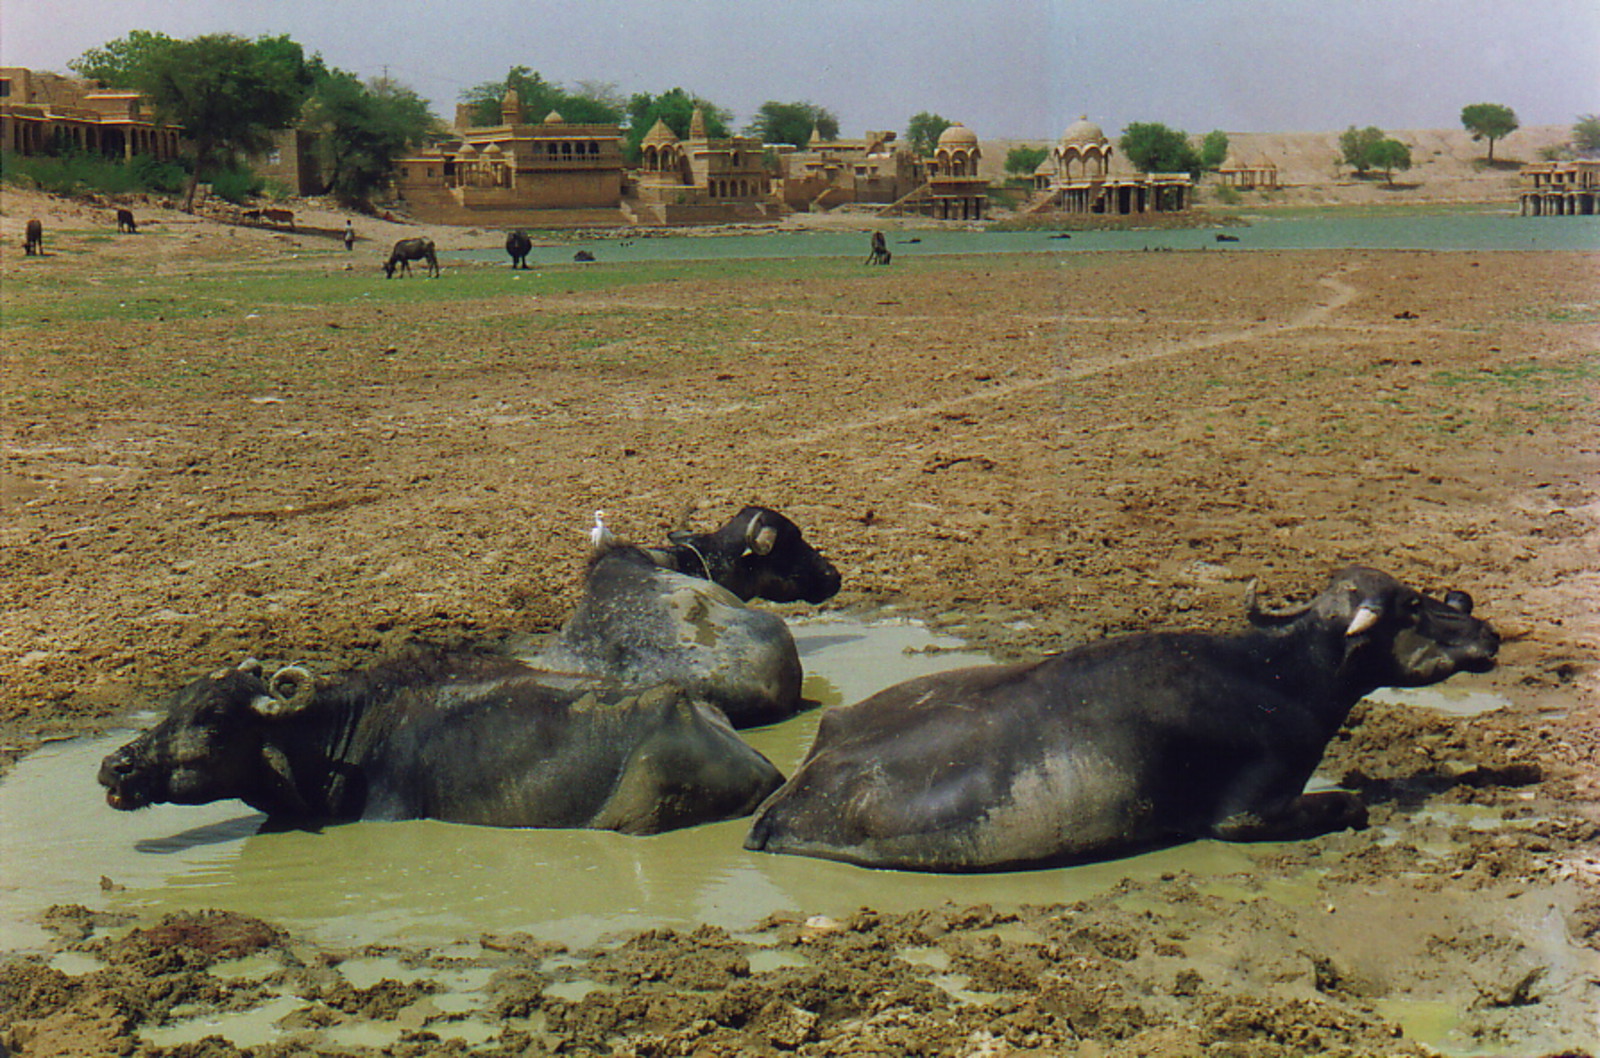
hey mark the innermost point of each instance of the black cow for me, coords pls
(1119, 745)
(407, 250)
(880, 250)
(518, 245)
(677, 613)
(467, 738)
(33, 238)
(125, 222)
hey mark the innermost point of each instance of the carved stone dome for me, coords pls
(1082, 133)
(958, 136)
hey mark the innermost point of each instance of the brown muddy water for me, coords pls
(428, 883)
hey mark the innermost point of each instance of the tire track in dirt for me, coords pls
(1316, 315)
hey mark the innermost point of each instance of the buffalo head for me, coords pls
(213, 743)
(760, 553)
(1389, 635)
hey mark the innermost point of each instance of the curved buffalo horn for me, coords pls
(1261, 615)
(1365, 617)
(289, 690)
(759, 539)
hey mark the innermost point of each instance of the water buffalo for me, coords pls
(583, 257)
(466, 738)
(1122, 744)
(677, 613)
(407, 250)
(33, 238)
(880, 250)
(518, 245)
(125, 222)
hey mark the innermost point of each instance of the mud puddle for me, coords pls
(1245, 911)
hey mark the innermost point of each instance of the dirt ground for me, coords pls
(223, 442)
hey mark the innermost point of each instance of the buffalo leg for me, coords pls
(1307, 816)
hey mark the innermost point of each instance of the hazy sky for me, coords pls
(1017, 69)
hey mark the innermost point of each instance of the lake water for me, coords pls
(1451, 230)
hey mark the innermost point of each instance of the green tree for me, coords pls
(793, 123)
(1355, 146)
(1214, 149)
(591, 104)
(1024, 160)
(228, 93)
(675, 108)
(1154, 148)
(362, 129)
(923, 132)
(1586, 134)
(118, 64)
(1389, 155)
(1489, 121)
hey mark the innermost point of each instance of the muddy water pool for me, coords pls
(429, 882)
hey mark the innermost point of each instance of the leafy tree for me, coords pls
(1214, 149)
(592, 104)
(1355, 146)
(793, 123)
(119, 63)
(228, 93)
(675, 108)
(1586, 134)
(1489, 121)
(362, 129)
(1024, 160)
(1389, 155)
(924, 130)
(1154, 148)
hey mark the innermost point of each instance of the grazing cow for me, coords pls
(33, 238)
(1123, 744)
(677, 613)
(125, 223)
(466, 738)
(279, 216)
(880, 250)
(407, 250)
(518, 245)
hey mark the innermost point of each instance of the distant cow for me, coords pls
(349, 236)
(33, 238)
(466, 738)
(125, 222)
(880, 250)
(407, 250)
(677, 613)
(279, 216)
(518, 245)
(1118, 745)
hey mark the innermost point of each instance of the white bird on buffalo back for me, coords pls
(601, 538)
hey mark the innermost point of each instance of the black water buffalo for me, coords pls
(466, 738)
(880, 250)
(407, 250)
(33, 238)
(1226, 238)
(125, 222)
(583, 257)
(518, 245)
(1122, 744)
(677, 613)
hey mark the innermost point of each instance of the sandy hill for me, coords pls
(1446, 165)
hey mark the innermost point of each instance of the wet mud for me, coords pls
(294, 462)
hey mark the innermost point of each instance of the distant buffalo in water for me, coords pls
(518, 245)
(33, 238)
(1227, 238)
(583, 257)
(407, 250)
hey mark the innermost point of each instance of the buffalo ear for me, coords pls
(290, 690)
